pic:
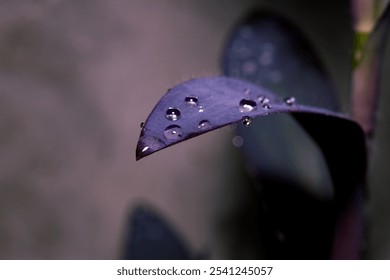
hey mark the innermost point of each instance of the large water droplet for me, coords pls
(247, 121)
(147, 145)
(173, 114)
(247, 105)
(205, 124)
(238, 141)
(173, 132)
(290, 101)
(191, 101)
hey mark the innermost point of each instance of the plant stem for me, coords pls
(365, 87)
(366, 75)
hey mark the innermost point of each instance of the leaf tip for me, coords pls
(147, 145)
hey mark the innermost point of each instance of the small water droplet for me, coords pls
(266, 106)
(142, 124)
(262, 99)
(247, 105)
(247, 121)
(238, 141)
(201, 109)
(265, 102)
(144, 149)
(191, 101)
(290, 100)
(173, 114)
(173, 132)
(205, 124)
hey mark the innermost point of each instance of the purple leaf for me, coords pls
(201, 105)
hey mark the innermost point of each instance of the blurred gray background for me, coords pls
(78, 77)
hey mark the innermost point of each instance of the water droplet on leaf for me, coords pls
(263, 100)
(260, 99)
(147, 145)
(204, 125)
(290, 100)
(191, 101)
(142, 124)
(266, 106)
(247, 105)
(172, 114)
(247, 121)
(173, 132)
(201, 109)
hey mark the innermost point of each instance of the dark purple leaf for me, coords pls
(220, 101)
